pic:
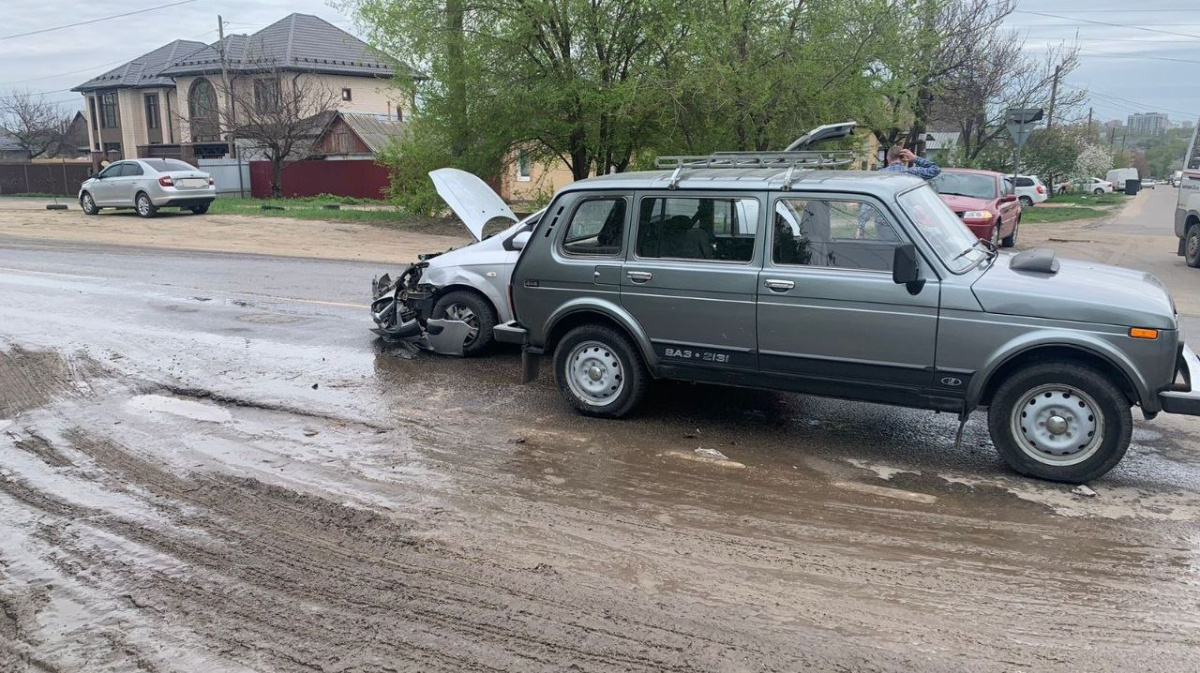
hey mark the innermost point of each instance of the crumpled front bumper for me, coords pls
(399, 318)
(1184, 397)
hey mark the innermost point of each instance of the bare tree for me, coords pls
(33, 122)
(278, 115)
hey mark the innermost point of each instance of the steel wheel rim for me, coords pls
(594, 374)
(465, 314)
(1193, 243)
(1058, 424)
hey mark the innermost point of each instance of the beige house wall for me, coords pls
(545, 179)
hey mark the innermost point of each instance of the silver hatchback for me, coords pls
(147, 185)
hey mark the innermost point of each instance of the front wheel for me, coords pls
(1191, 246)
(473, 310)
(88, 204)
(1062, 422)
(145, 207)
(599, 371)
(1011, 240)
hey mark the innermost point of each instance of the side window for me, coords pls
(836, 233)
(132, 169)
(112, 171)
(720, 229)
(596, 228)
(1008, 187)
(1024, 182)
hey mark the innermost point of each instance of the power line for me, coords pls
(91, 21)
(1106, 23)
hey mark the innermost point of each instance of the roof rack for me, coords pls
(788, 160)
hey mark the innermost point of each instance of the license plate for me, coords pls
(193, 183)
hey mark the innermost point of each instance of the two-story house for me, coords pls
(172, 102)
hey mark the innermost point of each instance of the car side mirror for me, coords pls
(1008, 198)
(519, 241)
(906, 270)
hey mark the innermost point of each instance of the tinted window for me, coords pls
(1024, 182)
(112, 171)
(838, 233)
(697, 228)
(131, 169)
(597, 228)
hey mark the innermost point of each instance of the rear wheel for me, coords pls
(473, 310)
(88, 204)
(145, 207)
(1011, 240)
(1191, 246)
(1026, 202)
(599, 371)
(199, 210)
(1060, 421)
(1098, 191)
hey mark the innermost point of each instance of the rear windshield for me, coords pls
(168, 165)
(965, 184)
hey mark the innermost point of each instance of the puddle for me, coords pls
(269, 318)
(196, 411)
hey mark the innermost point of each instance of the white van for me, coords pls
(1118, 176)
(1187, 208)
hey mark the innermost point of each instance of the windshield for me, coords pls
(957, 247)
(965, 184)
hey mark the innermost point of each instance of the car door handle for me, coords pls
(780, 285)
(639, 276)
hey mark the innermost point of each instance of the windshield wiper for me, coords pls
(991, 250)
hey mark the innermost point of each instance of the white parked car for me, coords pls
(1030, 190)
(148, 185)
(1091, 186)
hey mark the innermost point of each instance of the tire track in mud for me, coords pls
(29, 379)
(286, 581)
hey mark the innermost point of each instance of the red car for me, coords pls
(985, 201)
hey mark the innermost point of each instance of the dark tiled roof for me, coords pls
(297, 42)
(145, 70)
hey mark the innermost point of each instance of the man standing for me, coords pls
(898, 161)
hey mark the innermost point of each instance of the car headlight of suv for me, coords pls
(977, 215)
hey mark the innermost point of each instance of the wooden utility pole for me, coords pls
(1090, 110)
(1053, 97)
(228, 89)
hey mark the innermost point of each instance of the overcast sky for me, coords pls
(1146, 62)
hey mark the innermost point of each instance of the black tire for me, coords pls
(1026, 202)
(621, 364)
(1191, 246)
(88, 205)
(144, 206)
(199, 210)
(473, 309)
(1098, 191)
(1011, 240)
(1054, 388)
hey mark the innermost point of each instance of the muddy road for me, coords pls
(208, 464)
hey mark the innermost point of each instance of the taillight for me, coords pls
(212, 183)
(1041, 189)
(166, 181)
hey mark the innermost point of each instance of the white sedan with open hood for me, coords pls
(448, 302)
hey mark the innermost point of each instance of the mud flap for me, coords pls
(529, 366)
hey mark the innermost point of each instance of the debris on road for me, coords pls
(701, 458)
(1083, 490)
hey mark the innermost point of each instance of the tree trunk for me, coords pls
(457, 80)
(277, 178)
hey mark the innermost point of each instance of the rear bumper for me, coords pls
(1183, 397)
(511, 333)
(183, 201)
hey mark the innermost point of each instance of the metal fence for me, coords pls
(231, 175)
(43, 178)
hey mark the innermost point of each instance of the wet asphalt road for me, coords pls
(215, 442)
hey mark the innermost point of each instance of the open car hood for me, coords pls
(471, 199)
(822, 134)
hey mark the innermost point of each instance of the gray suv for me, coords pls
(864, 286)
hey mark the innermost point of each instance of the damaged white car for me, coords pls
(449, 302)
